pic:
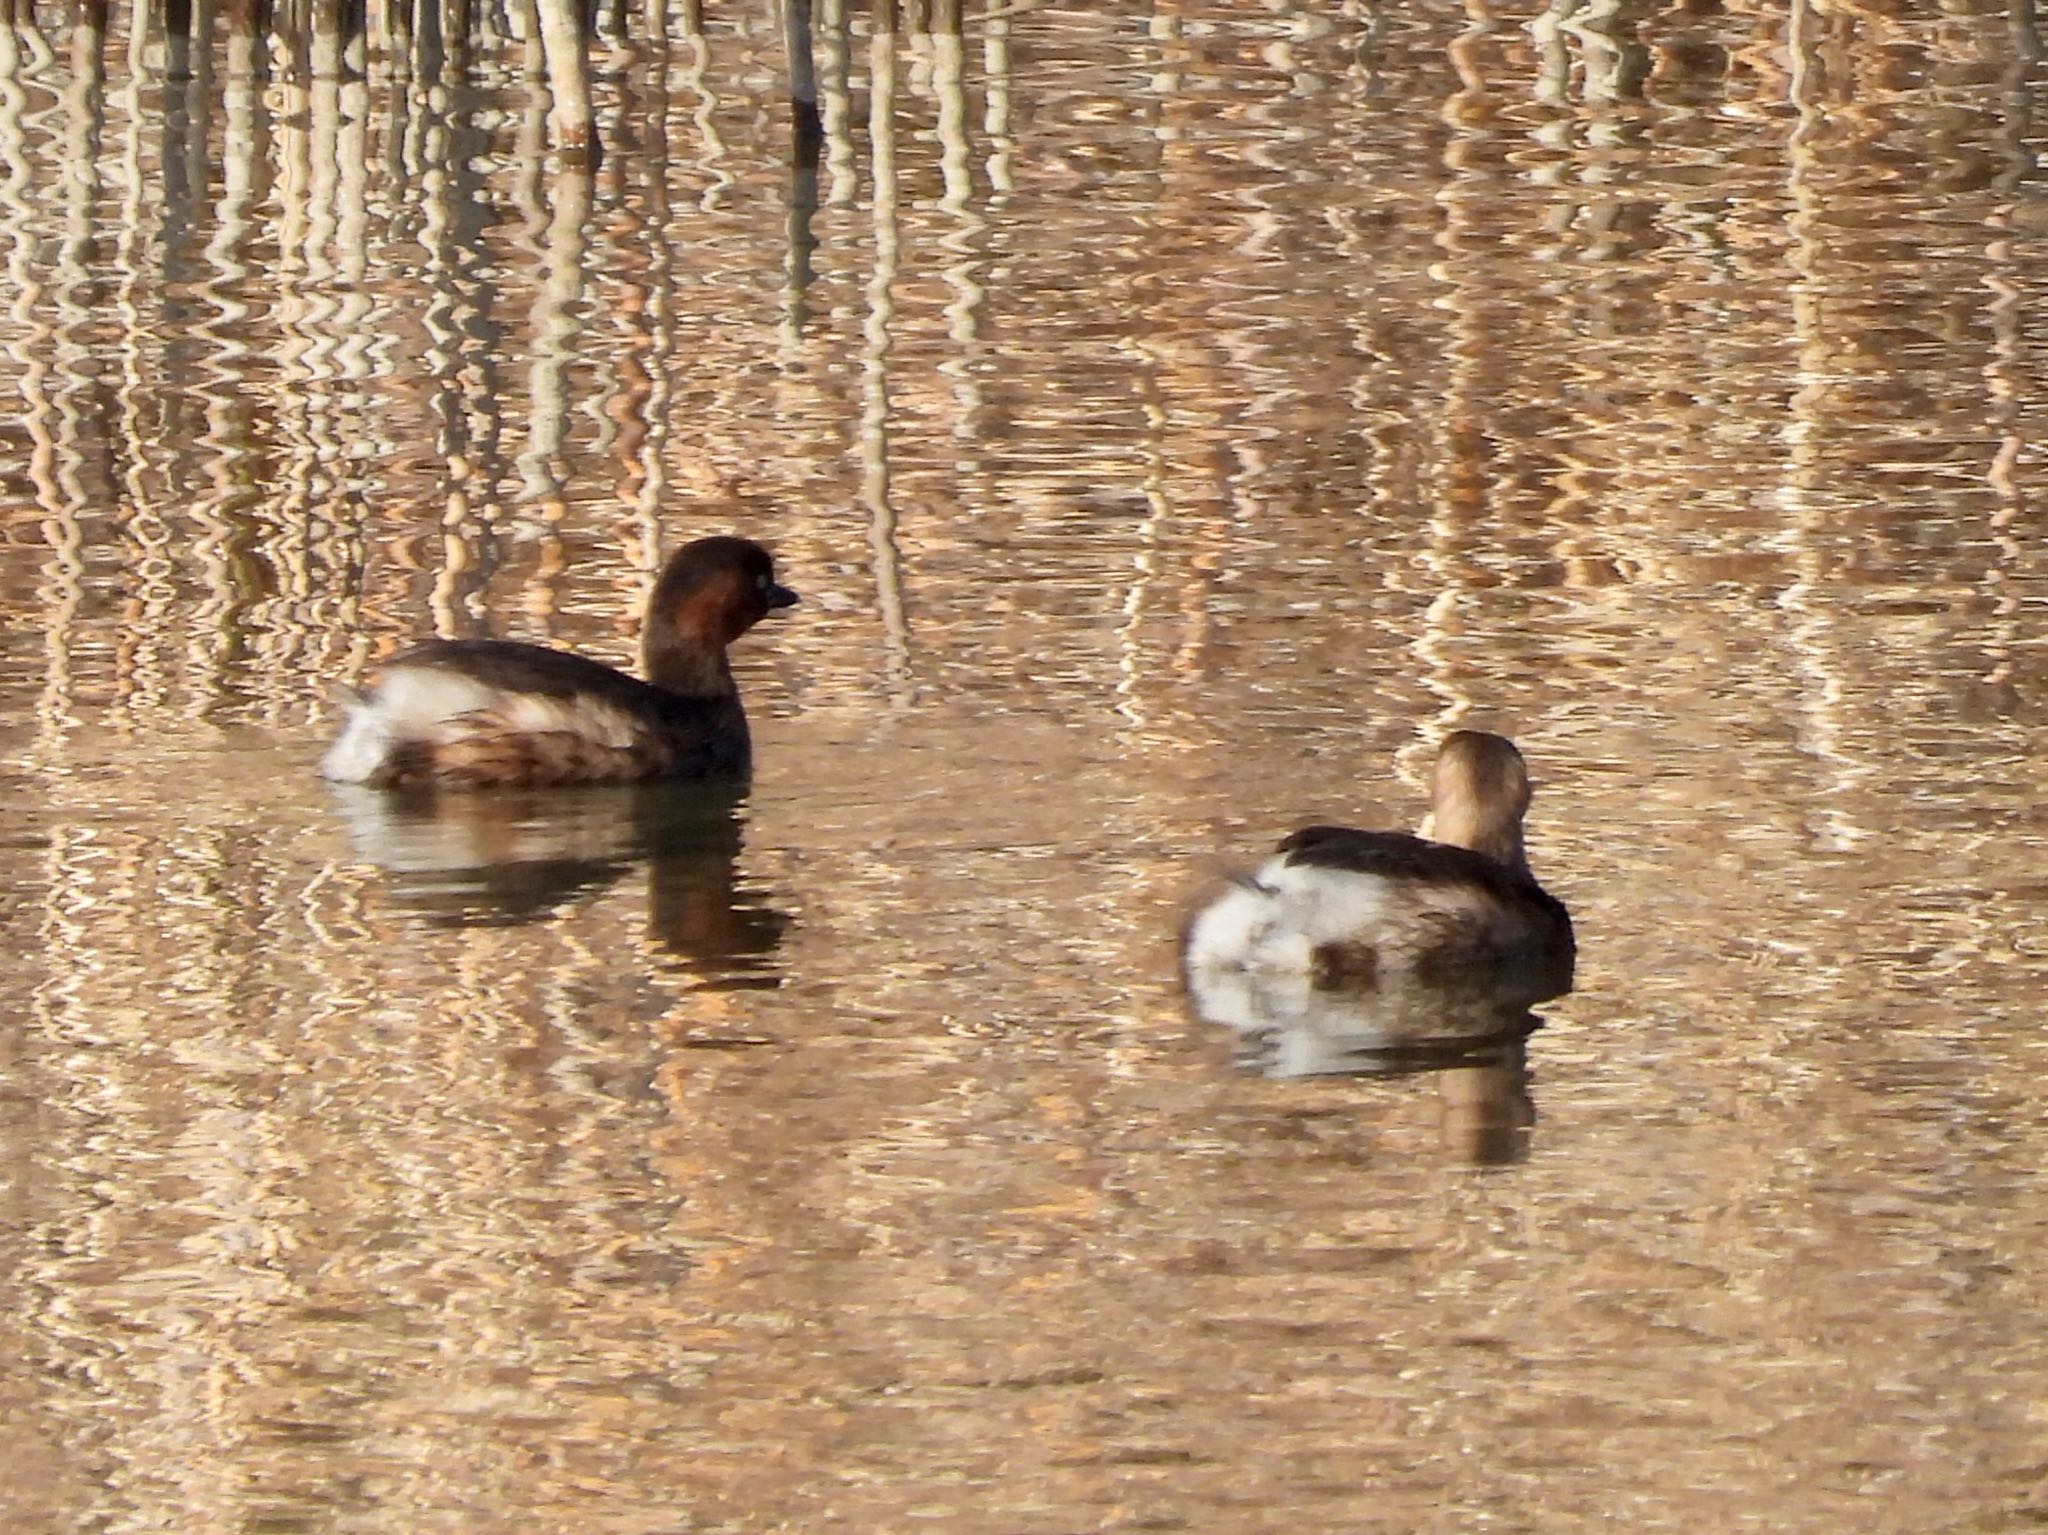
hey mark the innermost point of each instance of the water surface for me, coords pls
(1174, 421)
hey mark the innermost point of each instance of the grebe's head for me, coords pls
(713, 590)
(1480, 794)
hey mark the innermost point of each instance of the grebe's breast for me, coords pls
(479, 713)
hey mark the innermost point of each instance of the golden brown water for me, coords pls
(1181, 417)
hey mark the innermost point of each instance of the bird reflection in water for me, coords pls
(1469, 1028)
(510, 857)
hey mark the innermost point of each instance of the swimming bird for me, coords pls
(474, 714)
(1338, 907)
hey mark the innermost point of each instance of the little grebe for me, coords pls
(470, 714)
(1340, 907)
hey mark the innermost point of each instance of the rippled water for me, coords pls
(1174, 419)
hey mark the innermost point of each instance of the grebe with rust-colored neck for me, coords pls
(473, 714)
(1339, 906)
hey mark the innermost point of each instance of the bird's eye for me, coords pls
(763, 581)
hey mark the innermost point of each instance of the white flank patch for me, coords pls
(1225, 932)
(435, 706)
(1276, 928)
(577, 715)
(1330, 905)
(413, 703)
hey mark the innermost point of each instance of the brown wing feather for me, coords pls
(542, 759)
(513, 666)
(1396, 855)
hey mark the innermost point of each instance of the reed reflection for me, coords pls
(511, 857)
(806, 146)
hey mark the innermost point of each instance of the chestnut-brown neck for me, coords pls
(684, 653)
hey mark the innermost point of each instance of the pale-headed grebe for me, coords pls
(1339, 907)
(472, 714)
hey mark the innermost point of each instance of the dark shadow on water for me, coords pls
(1470, 1029)
(500, 859)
